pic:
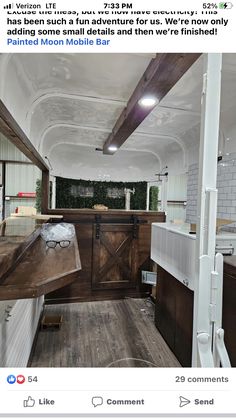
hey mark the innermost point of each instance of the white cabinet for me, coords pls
(174, 251)
(173, 248)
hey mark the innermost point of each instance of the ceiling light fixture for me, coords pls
(147, 102)
(112, 148)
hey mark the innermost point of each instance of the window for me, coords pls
(115, 192)
(83, 191)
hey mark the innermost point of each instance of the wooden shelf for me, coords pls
(173, 202)
(19, 197)
(41, 270)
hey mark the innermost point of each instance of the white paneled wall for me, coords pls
(177, 191)
(177, 188)
(226, 185)
(176, 212)
(21, 178)
(18, 325)
(13, 203)
(9, 152)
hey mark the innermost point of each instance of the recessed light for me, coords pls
(147, 102)
(112, 148)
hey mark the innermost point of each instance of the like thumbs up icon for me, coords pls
(29, 403)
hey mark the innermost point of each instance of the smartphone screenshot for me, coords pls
(117, 209)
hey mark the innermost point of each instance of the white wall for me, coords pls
(19, 177)
(175, 162)
(176, 191)
(177, 187)
(9, 152)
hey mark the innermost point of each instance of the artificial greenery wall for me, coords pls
(65, 199)
(38, 195)
(38, 190)
(153, 206)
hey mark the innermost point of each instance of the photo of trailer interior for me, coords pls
(117, 210)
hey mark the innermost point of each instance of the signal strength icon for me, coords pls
(8, 6)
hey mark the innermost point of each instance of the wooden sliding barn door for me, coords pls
(114, 256)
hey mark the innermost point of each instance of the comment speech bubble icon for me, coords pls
(97, 401)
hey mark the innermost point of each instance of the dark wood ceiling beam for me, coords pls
(12, 131)
(160, 76)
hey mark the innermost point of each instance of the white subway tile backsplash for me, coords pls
(226, 185)
(228, 176)
(226, 216)
(230, 210)
(227, 189)
(222, 195)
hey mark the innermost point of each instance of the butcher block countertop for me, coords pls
(27, 267)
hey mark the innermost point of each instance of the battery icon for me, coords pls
(226, 5)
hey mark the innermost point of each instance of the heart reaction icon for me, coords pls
(20, 379)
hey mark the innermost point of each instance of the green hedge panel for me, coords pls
(64, 198)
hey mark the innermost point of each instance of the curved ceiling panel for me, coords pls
(82, 162)
(70, 102)
(69, 134)
(27, 77)
(156, 143)
(186, 94)
(162, 120)
(97, 75)
(56, 110)
(59, 134)
(16, 88)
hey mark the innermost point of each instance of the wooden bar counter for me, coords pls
(16, 235)
(114, 247)
(28, 268)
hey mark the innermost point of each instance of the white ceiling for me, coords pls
(69, 103)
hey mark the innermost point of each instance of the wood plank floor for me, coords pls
(118, 333)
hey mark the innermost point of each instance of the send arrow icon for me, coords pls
(183, 401)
